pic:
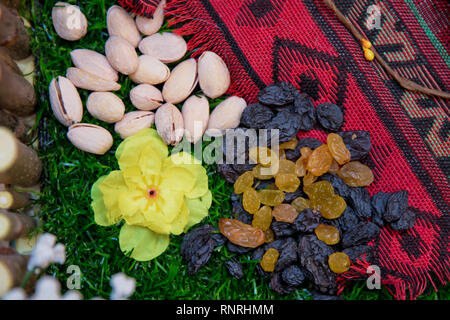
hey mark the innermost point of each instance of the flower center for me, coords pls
(152, 193)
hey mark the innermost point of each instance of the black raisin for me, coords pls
(287, 123)
(346, 221)
(338, 184)
(227, 172)
(359, 200)
(307, 221)
(362, 233)
(236, 248)
(358, 143)
(197, 247)
(396, 205)
(278, 94)
(304, 106)
(288, 255)
(293, 276)
(282, 229)
(234, 267)
(379, 202)
(330, 116)
(311, 143)
(278, 285)
(356, 252)
(318, 296)
(313, 255)
(290, 196)
(256, 116)
(406, 221)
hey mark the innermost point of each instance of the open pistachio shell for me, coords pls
(65, 101)
(146, 97)
(133, 122)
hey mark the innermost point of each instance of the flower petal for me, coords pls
(198, 209)
(144, 243)
(171, 203)
(150, 161)
(131, 203)
(178, 179)
(105, 193)
(179, 224)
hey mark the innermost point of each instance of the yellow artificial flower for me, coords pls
(156, 195)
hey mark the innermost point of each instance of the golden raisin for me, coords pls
(319, 162)
(263, 155)
(334, 168)
(300, 168)
(287, 182)
(332, 207)
(286, 166)
(282, 154)
(285, 213)
(305, 153)
(290, 145)
(260, 172)
(241, 234)
(251, 201)
(339, 262)
(262, 218)
(309, 178)
(244, 182)
(271, 197)
(269, 260)
(270, 237)
(319, 190)
(301, 204)
(338, 149)
(356, 174)
(327, 234)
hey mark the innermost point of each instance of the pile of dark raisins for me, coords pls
(303, 258)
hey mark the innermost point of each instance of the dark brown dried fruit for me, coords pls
(359, 200)
(236, 248)
(338, 184)
(234, 267)
(330, 116)
(396, 205)
(282, 229)
(358, 143)
(278, 94)
(241, 234)
(407, 220)
(256, 116)
(313, 255)
(303, 105)
(307, 221)
(288, 124)
(197, 247)
(227, 172)
(362, 233)
(288, 255)
(293, 276)
(279, 286)
(379, 202)
(357, 252)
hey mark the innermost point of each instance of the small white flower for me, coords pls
(123, 286)
(15, 294)
(46, 252)
(47, 288)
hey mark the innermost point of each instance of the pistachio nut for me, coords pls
(149, 26)
(167, 47)
(86, 80)
(195, 113)
(122, 25)
(65, 101)
(105, 106)
(227, 115)
(150, 70)
(182, 82)
(169, 124)
(95, 63)
(90, 138)
(146, 97)
(121, 55)
(213, 75)
(69, 22)
(133, 122)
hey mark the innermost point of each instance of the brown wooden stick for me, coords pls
(15, 225)
(19, 165)
(13, 268)
(13, 34)
(16, 93)
(5, 57)
(11, 199)
(405, 83)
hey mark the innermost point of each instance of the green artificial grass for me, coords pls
(70, 173)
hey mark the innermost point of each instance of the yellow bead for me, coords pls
(366, 44)
(369, 55)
